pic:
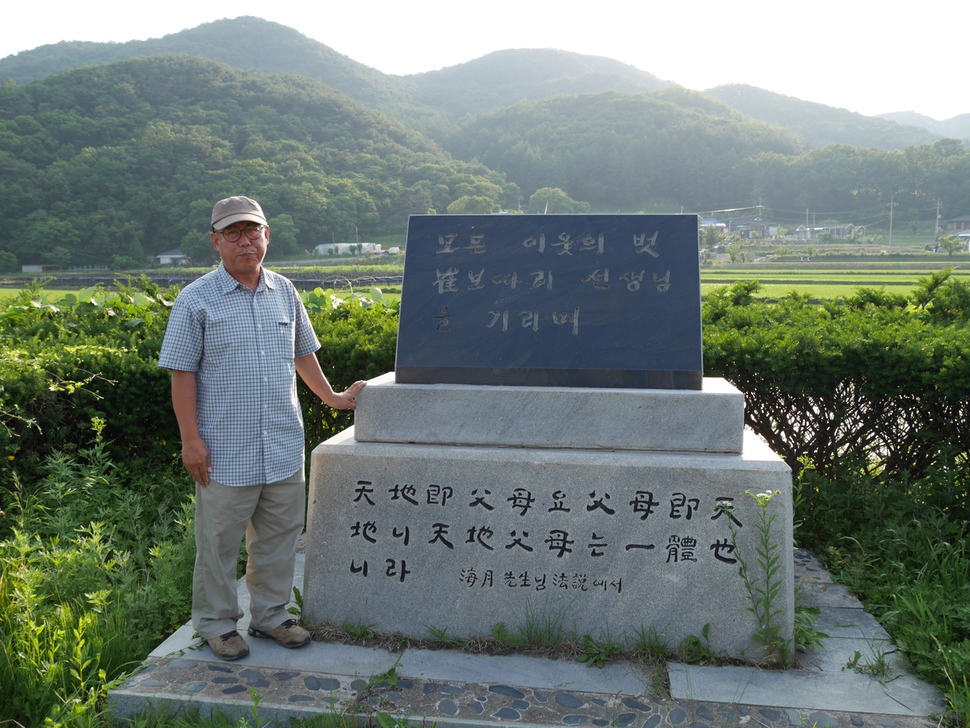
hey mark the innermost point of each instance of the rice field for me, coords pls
(821, 280)
(829, 281)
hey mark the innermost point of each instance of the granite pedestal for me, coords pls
(473, 505)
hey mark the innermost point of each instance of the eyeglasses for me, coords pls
(232, 234)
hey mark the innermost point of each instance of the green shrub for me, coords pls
(94, 356)
(878, 389)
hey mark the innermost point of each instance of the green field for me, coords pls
(826, 280)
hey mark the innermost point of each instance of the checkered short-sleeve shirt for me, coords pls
(242, 345)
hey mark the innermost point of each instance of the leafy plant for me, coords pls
(694, 648)
(358, 632)
(598, 654)
(501, 635)
(764, 584)
(805, 635)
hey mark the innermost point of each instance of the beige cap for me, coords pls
(235, 209)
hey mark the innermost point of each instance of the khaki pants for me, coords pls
(271, 517)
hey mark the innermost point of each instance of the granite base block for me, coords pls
(420, 538)
(710, 420)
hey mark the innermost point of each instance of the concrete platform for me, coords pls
(677, 420)
(459, 690)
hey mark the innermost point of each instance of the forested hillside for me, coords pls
(819, 124)
(956, 128)
(681, 148)
(106, 165)
(617, 150)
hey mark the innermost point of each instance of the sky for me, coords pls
(860, 55)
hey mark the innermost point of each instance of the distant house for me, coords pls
(842, 232)
(347, 248)
(752, 227)
(172, 257)
(39, 268)
(959, 223)
(833, 232)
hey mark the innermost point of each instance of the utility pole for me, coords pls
(891, 206)
(936, 234)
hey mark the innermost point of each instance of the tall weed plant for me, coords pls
(906, 555)
(93, 568)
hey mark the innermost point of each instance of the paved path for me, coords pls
(458, 690)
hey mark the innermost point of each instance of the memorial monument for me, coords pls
(547, 453)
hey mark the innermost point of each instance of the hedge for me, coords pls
(877, 384)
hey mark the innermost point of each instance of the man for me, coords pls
(236, 339)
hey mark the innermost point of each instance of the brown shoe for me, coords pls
(289, 634)
(230, 646)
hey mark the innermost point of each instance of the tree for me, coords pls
(283, 237)
(553, 200)
(951, 244)
(472, 205)
(711, 236)
(736, 252)
(8, 262)
(198, 246)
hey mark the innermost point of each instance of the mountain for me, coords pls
(113, 161)
(425, 100)
(956, 128)
(819, 124)
(122, 160)
(504, 78)
(281, 50)
(433, 101)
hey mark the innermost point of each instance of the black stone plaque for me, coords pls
(551, 300)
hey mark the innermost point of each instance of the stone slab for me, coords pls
(522, 670)
(464, 690)
(551, 300)
(900, 694)
(710, 420)
(422, 538)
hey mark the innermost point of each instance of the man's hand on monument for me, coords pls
(348, 398)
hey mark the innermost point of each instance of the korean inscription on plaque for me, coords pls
(551, 300)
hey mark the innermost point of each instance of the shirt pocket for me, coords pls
(283, 338)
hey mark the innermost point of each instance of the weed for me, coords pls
(359, 632)
(598, 654)
(805, 635)
(385, 720)
(297, 609)
(875, 664)
(698, 649)
(958, 693)
(649, 644)
(505, 638)
(764, 587)
(441, 636)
